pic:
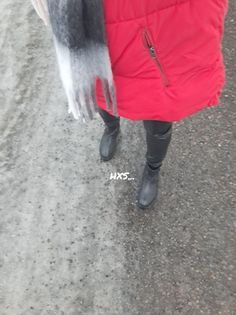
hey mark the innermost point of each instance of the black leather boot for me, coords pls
(158, 136)
(148, 187)
(110, 135)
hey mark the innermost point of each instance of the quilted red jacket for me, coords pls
(166, 56)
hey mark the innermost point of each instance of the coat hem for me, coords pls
(215, 101)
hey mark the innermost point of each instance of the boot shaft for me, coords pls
(158, 137)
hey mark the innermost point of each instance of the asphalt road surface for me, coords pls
(72, 241)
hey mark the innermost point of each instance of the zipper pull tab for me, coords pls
(152, 52)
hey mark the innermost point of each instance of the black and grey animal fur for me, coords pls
(81, 46)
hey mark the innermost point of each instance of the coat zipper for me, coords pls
(149, 45)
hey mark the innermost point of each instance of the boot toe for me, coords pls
(106, 152)
(146, 199)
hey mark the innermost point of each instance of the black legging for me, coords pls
(158, 136)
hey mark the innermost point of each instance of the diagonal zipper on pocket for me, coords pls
(149, 45)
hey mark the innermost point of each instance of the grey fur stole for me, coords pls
(81, 47)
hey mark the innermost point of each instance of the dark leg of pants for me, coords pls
(109, 120)
(158, 137)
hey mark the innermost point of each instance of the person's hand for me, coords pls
(40, 7)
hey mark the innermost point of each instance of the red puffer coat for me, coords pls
(166, 56)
